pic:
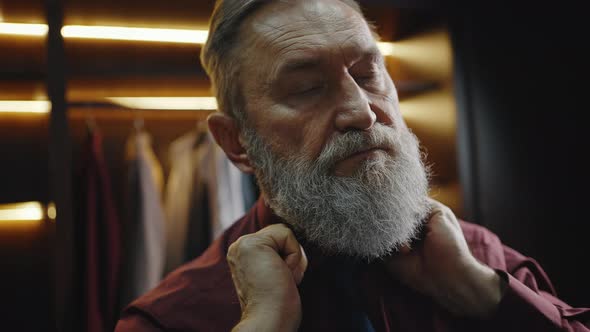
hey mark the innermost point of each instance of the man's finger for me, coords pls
(300, 268)
(283, 241)
(440, 212)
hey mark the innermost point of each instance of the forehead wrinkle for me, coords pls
(343, 36)
(308, 52)
(268, 32)
(278, 22)
(292, 64)
(289, 34)
(285, 34)
(294, 45)
(275, 23)
(297, 40)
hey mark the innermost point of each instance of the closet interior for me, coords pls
(88, 120)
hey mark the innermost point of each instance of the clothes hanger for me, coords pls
(90, 121)
(138, 122)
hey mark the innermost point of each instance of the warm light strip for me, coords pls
(139, 34)
(129, 33)
(29, 211)
(25, 106)
(51, 211)
(22, 29)
(166, 103)
(386, 48)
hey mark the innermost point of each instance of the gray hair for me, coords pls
(219, 55)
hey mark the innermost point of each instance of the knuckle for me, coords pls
(277, 231)
(246, 242)
(240, 245)
(441, 210)
(287, 232)
(232, 252)
(275, 228)
(284, 230)
(242, 250)
(447, 211)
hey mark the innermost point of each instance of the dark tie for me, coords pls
(347, 281)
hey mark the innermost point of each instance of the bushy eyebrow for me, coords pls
(300, 64)
(371, 54)
(296, 64)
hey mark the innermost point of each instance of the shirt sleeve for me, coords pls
(136, 322)
(530, 303)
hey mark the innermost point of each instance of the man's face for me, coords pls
(314, 72)
(324, 133)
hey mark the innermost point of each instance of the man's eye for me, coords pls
(366, 78)
(371, 81)
(309, 90)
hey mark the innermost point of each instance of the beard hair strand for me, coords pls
(368, 215)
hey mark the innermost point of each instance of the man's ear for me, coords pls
(227, 135)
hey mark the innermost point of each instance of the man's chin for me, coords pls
(357, 163)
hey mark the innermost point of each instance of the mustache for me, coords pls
(355, 141)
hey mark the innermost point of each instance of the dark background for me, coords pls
(522, 91)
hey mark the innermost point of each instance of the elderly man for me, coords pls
(344, 237)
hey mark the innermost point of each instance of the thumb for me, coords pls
(298, 265)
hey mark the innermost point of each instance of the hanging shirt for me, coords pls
(204, 196)
(186, 204)
(225, 189)
(102, 239)
(145, 232)
(179, 191)
(200, 296)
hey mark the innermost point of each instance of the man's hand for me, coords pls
(443, 267)
(266, 268)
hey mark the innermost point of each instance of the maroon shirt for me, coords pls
(102, 226)
(200, 295)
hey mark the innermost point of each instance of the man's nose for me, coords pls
(353, 111)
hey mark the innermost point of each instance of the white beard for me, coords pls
(368, 215)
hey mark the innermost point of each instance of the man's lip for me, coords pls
(357, 157)
(366, 151)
